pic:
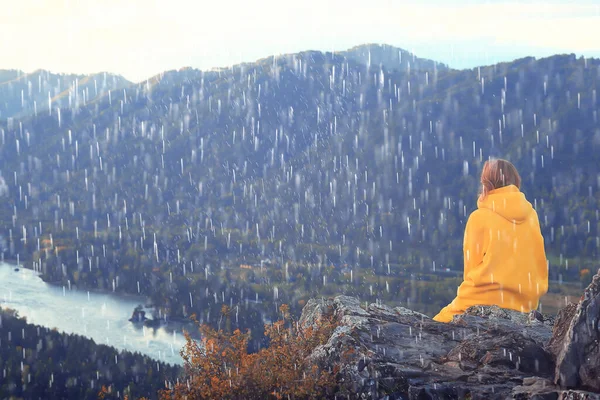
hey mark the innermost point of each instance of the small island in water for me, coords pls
(139, 317)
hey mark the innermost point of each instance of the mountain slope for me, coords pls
(390, 57)
(42, 363)
(318, 174)
(24, 94)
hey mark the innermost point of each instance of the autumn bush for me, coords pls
(220, 367)
(106, 393)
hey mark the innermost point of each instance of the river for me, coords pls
(103, 317)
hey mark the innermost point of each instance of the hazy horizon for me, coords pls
(140, 39)
(282, 54)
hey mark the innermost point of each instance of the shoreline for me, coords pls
(11, 312)
(142, 300)
(13, 263)
(124, 303)
(124, 295)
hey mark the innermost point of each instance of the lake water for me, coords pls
(103, 317)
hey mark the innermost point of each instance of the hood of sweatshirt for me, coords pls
(508, 202)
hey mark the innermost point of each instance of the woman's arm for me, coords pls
(473, 243)
(542, 262)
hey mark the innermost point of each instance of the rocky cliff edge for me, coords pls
(487, 353)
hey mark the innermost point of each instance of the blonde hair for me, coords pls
(496, 174)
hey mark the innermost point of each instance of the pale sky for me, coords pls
(140, 38)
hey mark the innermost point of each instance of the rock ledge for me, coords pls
(486, 353)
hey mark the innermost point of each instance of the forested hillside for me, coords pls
(296, 176)
(37, 362)
(40, 91)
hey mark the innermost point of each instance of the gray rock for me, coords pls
(313, 311)
(536, 388)
(576, 342)
(578, 395)
(486, 353)
(542, 389)
(560, 329)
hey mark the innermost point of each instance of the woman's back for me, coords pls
(504, 258)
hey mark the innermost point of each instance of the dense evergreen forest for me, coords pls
(24, 94)
(296, 176)
(39, 363)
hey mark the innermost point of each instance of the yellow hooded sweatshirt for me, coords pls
(504, 258)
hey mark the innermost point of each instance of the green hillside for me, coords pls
(23, 94)
(41, 363)
(318, 173)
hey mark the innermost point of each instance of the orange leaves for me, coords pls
(225, 310)
(103, 392)
(222, 368)
(284, 309)
(584, 272)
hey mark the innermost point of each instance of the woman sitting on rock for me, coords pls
(504, 259)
